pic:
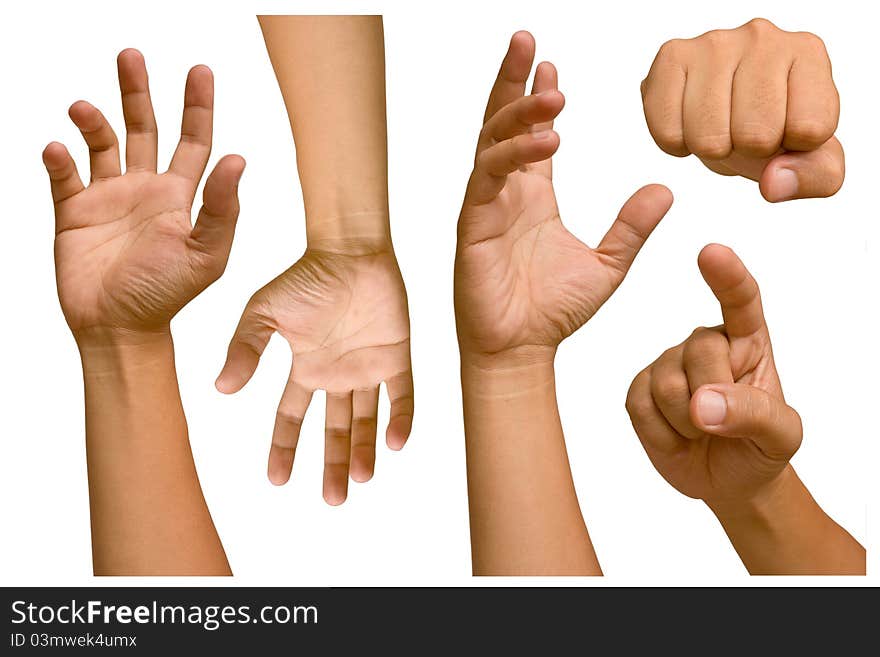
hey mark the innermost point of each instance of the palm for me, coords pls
(345, 318)
(535, 283)
(123, 252)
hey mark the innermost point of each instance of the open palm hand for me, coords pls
(521, 278)
(127, 255)
(346, 320)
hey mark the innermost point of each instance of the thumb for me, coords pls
(215, 226)
(247, 345)
(638, 217)
(808, 174)
(737, 410)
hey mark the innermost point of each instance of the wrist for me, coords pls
(511, 373)
(773, 500)
(105, 351)
(363, 232)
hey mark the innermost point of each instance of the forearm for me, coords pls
(785, 532)
(524, 514)
(148, 514)
(331, 71)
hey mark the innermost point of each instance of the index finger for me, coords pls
(736, 290)
(511, 81)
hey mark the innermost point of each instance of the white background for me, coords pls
(815, 261)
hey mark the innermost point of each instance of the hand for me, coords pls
(755, 102)
(710, 412)
(523, 283)
(345, 317)
(127, 257)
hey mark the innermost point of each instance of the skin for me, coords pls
(713, 420)
(754, 101)
(342, 306)
(127, 259)
(523, 283)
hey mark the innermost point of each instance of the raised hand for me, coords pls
(345, 317)
(127, 255)
(710, 412)
(523, 282)
(127, 258)
(754, 101)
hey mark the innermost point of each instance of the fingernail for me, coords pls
(785, 185)
(711, 408)
(541, 135)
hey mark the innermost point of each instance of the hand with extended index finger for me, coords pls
(710, 412)
(522, 280)
(712, 418)
(127, 256)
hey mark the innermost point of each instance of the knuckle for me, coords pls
(632, 394)
(639, 407)
(669, 139)
(404, 402)
(702, 332)
(669, 390)
(484, 160)
(670, 50)
(760, 26)
(486, 133)
(363, 424)
(757, 139)
(812, 43)
(704, 346)
(337, 433)
(812, 131)
(638, 400)
(798, 437)
(716, 39)
(815, 131)
(290, 417)
(710, 147)
(704, 337)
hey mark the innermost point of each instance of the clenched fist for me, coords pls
(710, 412)
(754, 101)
